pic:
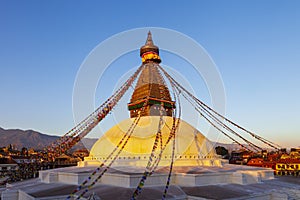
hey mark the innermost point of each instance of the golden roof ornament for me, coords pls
(150, 86)
(150, 52)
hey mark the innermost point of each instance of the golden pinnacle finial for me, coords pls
(149, 41)
(149, 51)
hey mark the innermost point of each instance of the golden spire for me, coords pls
(149, 51)
(150, 86)
(149, 40)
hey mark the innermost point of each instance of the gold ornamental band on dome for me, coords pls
(151, 56)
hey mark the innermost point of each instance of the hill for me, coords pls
(33, 139)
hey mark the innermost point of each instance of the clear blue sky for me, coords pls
(255, 44)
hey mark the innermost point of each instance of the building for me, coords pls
(289, 166)
(260, 162)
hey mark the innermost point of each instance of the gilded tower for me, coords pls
(150, 86)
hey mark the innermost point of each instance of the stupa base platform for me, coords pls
(227, 182)
(136, 162)
(129, 177)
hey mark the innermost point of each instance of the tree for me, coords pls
(221, 151)
(24, 151)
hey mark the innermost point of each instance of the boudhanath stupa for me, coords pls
(197, 171)
(192, 148)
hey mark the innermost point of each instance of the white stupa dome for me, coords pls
(192, 148)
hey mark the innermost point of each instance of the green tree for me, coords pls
(221, 151)
(24, 151)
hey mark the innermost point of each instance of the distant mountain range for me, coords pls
(33, 139)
